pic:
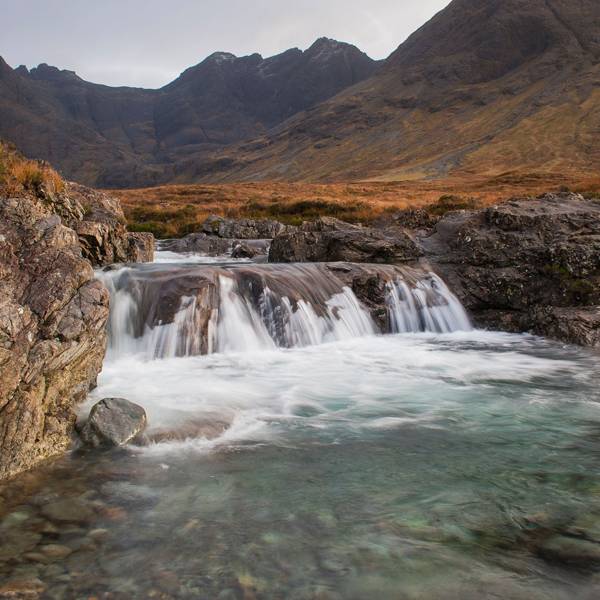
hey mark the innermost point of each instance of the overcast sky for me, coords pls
(149, 42)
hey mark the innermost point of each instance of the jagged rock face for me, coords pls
(331, 240)
(102, 230)
(526, 265)
(53, 315)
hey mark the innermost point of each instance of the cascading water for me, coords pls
(300, 473)
(173, 310)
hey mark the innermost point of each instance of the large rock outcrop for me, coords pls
(101, 227)
(331, 240)
(53, 316)
(526, 265)
(53, 312)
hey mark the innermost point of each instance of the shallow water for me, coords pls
(412, 466)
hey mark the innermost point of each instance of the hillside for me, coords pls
(119, 137)
(485, 86)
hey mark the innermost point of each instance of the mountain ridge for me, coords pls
(121, 136)
(485, 86)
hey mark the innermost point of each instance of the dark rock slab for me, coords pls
(243, 229)
(331, 240)
(529, 264)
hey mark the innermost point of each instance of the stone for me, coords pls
(15, 543)
(243, 251)
(140, 247)
(207, 428)
(22, 588)
(113, 422)
(68, 510)
(99, 535)
(571, 551)
(53, 317)
(53, 312)
(55, 551)
(243, 229)
(525, 265)
(102, 230)
(210, 245)
(331, 240)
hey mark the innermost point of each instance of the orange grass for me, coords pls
(175, 210)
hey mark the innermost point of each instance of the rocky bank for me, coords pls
(526, 265)
(53, 312)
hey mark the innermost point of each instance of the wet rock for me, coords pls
(99, 535)
(15, 542)
(331, 240)
(571, 551)
(243, 229)
(68, 510)
(209, 245)
(243, 251)
(14, 519)
(200, 243)
(29, 588)
(113, 422)
(192, 429)
(36, 557)
(55, 551)
(525, 265)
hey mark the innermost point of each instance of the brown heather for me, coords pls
(175, 210)
(19, 174)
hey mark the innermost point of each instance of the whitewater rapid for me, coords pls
(267, 351)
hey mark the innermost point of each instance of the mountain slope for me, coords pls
(486, 85)
(127, 136)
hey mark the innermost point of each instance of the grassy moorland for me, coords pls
(19, 174)
(175, 210)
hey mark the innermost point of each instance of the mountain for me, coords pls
(485, 86)
(121, 137)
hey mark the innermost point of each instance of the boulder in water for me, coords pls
(113, 422)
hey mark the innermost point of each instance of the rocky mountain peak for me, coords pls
(45, 72)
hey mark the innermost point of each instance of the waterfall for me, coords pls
(428, 306)
(167, 311)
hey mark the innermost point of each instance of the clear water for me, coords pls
(411, 466)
